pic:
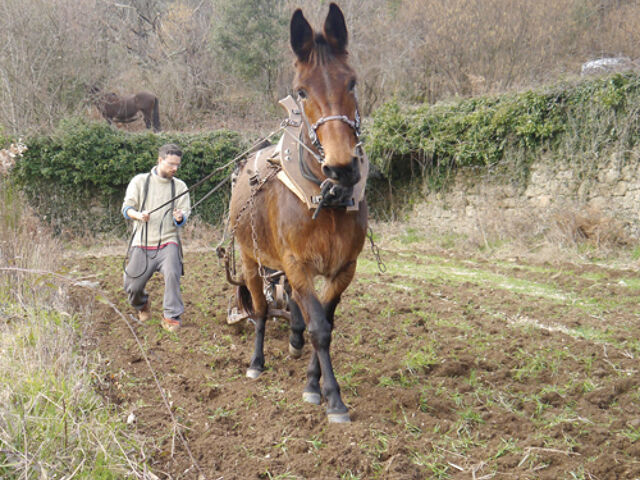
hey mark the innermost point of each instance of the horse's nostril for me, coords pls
(347, 176)
(330, 172)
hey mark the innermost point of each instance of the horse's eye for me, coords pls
(302, 94)
(352, 85)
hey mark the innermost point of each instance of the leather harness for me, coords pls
(294, 172)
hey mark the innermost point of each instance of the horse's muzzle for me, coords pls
(335, 195)
(347, 176)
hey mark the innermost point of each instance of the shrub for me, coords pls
(76, 177)
(571, 121)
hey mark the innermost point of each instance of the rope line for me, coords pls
(219, 169)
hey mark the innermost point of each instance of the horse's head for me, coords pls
(325, 85)
(95, 96)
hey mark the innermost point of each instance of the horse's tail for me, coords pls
(156, 115)
(243, 295)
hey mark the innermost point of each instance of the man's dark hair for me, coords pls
(169, 149)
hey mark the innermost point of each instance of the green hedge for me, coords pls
(572, 122)
(76, 178)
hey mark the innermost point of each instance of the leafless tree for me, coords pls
(416, 50)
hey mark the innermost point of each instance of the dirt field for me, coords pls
(453, 367)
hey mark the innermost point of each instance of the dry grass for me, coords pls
(575, 226)
(52, 423)
(506, 229)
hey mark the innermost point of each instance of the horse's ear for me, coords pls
(301, 36)
(335, 29)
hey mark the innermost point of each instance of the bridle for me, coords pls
(312, 130)
(329, 191)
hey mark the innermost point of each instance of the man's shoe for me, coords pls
(144, 314)
(171, 324)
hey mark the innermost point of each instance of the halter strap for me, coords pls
(313, 129)
(352, 123)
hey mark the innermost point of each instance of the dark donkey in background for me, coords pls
(124, 109)
(275, 229)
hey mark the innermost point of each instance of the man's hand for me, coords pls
(140, 216)
(178, 215)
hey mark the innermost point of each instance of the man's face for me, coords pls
(168, 166)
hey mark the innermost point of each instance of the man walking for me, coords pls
(155, 246)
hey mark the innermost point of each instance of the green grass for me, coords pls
(410, 235)
(443, 271)
(410, 275)
(53, 420)
(632, 433)
(433, 463)
(53, 424)
(421, 361)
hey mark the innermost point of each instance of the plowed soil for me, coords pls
(452, 367)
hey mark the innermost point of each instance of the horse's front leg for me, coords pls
(320, 362)
(255, 285)
(320, 319)
(312, 391)
(331, 295)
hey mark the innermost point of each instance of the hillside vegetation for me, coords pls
(84, 167)
(53, 423)
(223, 63)
(76, 177)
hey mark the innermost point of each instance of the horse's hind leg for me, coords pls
(254, 284)
(297, 325)
(147, 119)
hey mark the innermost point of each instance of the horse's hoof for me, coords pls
(253, 373)
(295, 352)
(339, 417)
(311, 397)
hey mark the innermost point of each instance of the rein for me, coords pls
(219, 169)
(171, 201)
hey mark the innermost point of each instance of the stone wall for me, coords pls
(608, 193)
(613, 189)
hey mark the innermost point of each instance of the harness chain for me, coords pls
(256, 185)
(274, 171)
(254, 235)
(376, 251)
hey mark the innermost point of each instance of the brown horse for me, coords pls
(124, 109)
(275, 229)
